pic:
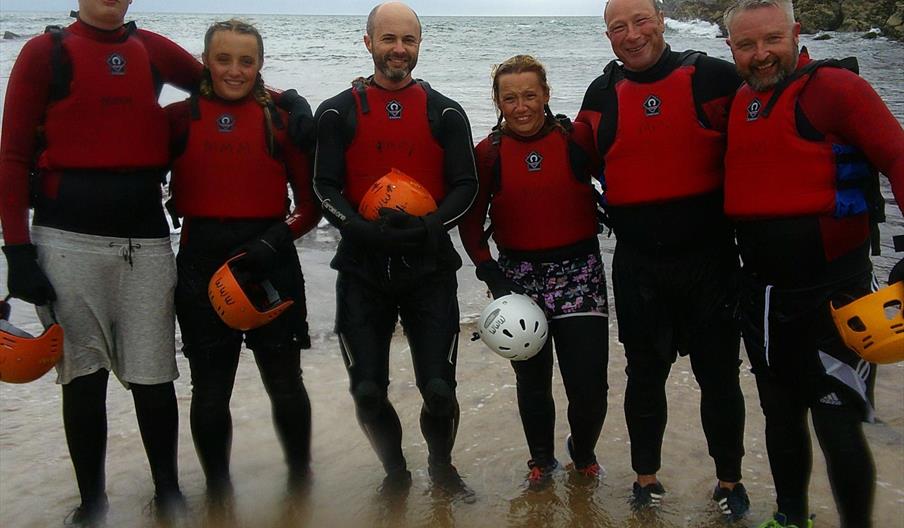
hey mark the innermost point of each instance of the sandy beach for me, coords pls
(37, 484)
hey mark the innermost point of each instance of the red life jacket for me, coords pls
(661, 150)
(540, 203)
(393, 131)
(226, 170)
(109, 118)
(772, 171)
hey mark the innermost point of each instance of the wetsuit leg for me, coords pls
(536, 405)
(85, 421)
(852, 473)
(158, 421)
(646, 409)
(280, 369)
(429, 314)
(212, 379)
(787, 444)
(365, 320)
(715, 363)
(212, 350)
(582, 346)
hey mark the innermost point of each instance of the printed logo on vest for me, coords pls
(117, 64)
(533, 160)
(225, 123)
(652, 106)
(394, 109)
(753, 109)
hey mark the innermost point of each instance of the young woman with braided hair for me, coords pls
(230, 170)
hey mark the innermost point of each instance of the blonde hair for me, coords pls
(260, 92)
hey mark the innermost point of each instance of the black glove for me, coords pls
(499, 285)
(387, 234)
(897, 273)
(261, 255)
(301, 127)
(26, 280)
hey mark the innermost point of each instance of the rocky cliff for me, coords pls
(813, 15)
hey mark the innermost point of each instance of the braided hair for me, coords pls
(259, 92)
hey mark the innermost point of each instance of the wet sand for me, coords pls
(37, 484)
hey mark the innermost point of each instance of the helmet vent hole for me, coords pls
(523, 324)
(856, 324)
(504, 348)
(507, 333)
(892, 309)
(536, 326)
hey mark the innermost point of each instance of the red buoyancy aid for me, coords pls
(110, 118)
(770, 170)
(541, 203)
(661, 150)
(393, 131)
(226, 170)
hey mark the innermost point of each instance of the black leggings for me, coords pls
(715, 366)
(366, 315)
(582, 346)
(85, 421)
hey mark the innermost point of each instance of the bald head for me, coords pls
(390, 10)
(657, 7)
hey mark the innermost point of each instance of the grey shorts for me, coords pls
(114, 302)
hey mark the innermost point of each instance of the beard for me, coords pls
(395, 74)
(785, 66)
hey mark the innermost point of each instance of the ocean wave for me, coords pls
(698, 28)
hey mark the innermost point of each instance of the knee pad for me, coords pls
(439, 397)
(369, 398)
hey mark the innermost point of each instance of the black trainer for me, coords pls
(540, 476)
(446, 478)
(649, 496)
(733, 503)
(396, 483)
(88, 515)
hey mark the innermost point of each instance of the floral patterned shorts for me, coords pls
(564, 288)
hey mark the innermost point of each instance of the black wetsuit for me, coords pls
(374, 288)
(674, 273)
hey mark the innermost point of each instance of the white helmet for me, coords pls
(514, 327)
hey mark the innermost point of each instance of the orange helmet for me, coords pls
(243, 305)
(873, 325)
(396, 190)
(23, 357)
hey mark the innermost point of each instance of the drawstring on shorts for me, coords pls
(125, 250)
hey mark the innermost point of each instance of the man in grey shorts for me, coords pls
(86, 142)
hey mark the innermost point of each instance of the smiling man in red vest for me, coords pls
(805, 138)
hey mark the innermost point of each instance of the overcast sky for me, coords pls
(340, 7)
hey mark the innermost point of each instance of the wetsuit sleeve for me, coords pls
(174, 65)
(471, 226)
(845, 109)
(459, 167)
(714, 85)
(307, 213)
(27, 96)
(329, 158)
(599, 112)
(179, 116)
(582, 136)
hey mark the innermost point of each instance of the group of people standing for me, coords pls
(700, 161)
